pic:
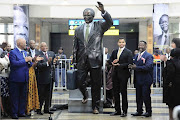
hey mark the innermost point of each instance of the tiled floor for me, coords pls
(160, 110)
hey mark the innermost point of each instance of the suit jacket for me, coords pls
(124, 60)
(19, 67)
(158, 39)
(144, 69)
(93, 49)
(44, 71)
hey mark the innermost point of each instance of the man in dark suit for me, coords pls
(32, 51)
(87, 53)
(19, 76)
(120, 59)
(163, 39)
(144, 77)
(44, 79)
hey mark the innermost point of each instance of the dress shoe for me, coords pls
(115, 113)
(5, 114)
(39, 112)
(137, 114)
(85, 98)
(22, 115)
(147, 114)
(14, 117)
(48, 112)
(124, 114)
(95, 111)
(53, 109)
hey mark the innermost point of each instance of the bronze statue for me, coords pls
(87, 53)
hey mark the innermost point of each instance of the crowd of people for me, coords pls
(26, 83)
(27, 77)
(146, 68)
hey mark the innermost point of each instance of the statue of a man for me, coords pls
(87, 53)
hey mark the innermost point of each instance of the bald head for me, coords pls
(21, 43)
(32, 44)
(43, 47)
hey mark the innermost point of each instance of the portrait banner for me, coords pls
(161, 27)
(21, 23)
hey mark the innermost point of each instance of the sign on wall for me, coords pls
(161, 26)
(21, 23)
(73, 24)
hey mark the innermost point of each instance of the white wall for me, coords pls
(75, 11)
(143, 30)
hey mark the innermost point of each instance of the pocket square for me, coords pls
(143, 59)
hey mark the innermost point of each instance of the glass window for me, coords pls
(2, 39)
(2, 29)
(10, 28)
(11, 40)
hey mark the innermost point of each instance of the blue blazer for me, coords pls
(19, 67)
(144, 70)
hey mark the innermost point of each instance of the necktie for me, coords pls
(119, 53)
(46, 55)
(87, 32)
(23, 54)
(139, 56)
(165, 39)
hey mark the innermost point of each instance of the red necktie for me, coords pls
(139, 56)
(46, 55)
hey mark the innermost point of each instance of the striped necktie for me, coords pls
(119, 53)
(87, 32)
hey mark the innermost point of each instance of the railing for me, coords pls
(60, 73)
(65, 64)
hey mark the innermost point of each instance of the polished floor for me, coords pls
(159, 109)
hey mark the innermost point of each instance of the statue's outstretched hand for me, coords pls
(100, 7)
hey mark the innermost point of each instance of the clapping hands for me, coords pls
(115, 62)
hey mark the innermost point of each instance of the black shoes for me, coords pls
(124, 114)
(14, 117)
(23, 115)
(53, 109)
(39, 112)
(115, 113)
(147, 114)
(48, 112)
(137, 114)
(17, 117)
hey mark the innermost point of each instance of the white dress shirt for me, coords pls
(32, 53)
(140, 55)
(20, 50)
(168, 56)
(121, 50)
(45, 53)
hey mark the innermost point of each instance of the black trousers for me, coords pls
(44, 95)
(120, 86)
(96, 82)
(143, 95)
(6, 105)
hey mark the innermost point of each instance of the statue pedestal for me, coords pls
(75, 105)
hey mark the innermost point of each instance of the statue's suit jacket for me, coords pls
(91, 50)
